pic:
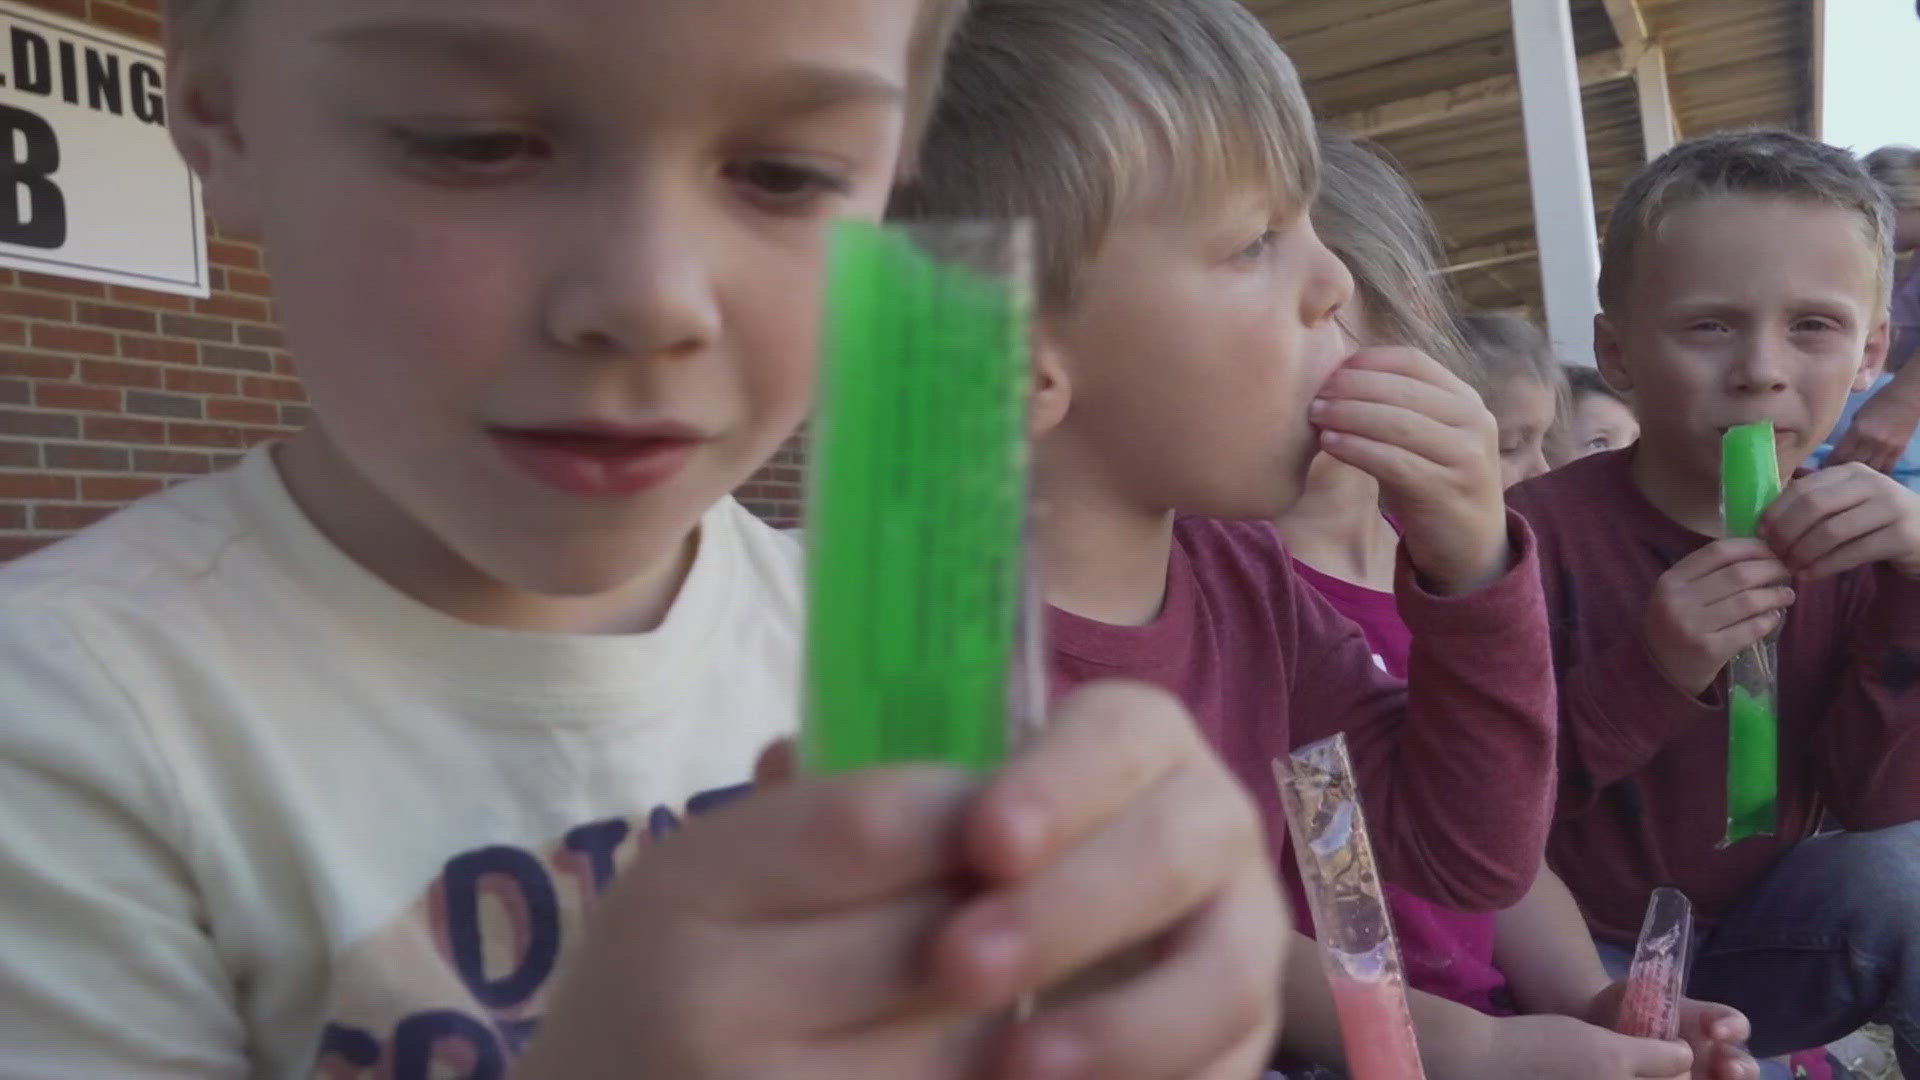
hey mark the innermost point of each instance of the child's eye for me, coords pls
(1259, 248)
(474, 155)
(1599, 442)
(786, 185)
(1805, 326)
(1707, 326)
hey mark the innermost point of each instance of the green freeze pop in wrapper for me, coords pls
(917, 502)
(1749, 482)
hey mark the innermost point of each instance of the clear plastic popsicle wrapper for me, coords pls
(1749, 482)
(1651, 1007)
(1357, 943)
(920, 637)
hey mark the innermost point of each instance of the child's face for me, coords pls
(1744, 309)
(1201, 335)
(550, 268)
(1524, 409)
(1600, 423)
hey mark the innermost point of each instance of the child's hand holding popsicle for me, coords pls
(1834, 520)
(1710, 605)
(884, 923)
(1717, 1033)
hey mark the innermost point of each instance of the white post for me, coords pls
(1563, 217)
(1658, 127)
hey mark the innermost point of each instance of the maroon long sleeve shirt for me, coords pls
(1456, 774)
(1644, 764)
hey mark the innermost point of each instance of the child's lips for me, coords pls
(599, 460)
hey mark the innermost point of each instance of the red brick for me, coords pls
(12, 516)
(77, 397)
(264, 337)
(59, 517)
(283, 365)
(120, 373)
(228, 356)
(248, 284)
(35, 366)
(124, 429)
(192, 326)
(149, 299)
(13, 547)
(35, 306)
(19, 455)
(188, 462)
(201, 381)
(13, 332)
(118, 488)
(115, 317)
(75, 8)
(69, 286)
(215, 436)
(166, 350)
(243, 412)
(88, 458)
(128, 22)
(17, 392)
(40, 424)
(254, 386)
(35, 485)
(156, 403)
(73, 339)
(229, 253)
(234, 307)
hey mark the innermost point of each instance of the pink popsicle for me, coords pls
(1376, 1028)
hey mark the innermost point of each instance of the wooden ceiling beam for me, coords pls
(1471, 99)
(1659, 125)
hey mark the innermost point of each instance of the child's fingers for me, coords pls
(1396, 467)
(1881, 545)
(1412, 363)
(1809, 500)
(1734, 610)
(1127, 882)
(1740, 579)
(1834, 532)
(1227, 959)
(1428, 439)
(1104, 746)
(858, 968)
(815, 846)
(1718, 555)
(1748, 631)
(1391, 388)
(1732, 1062)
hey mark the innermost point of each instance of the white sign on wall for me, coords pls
(90, 186)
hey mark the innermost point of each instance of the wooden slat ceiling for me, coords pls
(1434, 80)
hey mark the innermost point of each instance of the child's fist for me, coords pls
(1563, 1048)
(1118, 828)
(1717, 1034)
(1834, 520)
(1710, 605)
(1401, 417)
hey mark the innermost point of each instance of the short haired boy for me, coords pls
(317, 765)
(1190, 364)
(1745, 278)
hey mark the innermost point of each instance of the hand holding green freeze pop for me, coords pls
(917, 506)
(1749, 482)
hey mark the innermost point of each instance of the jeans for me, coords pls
(1829, 941)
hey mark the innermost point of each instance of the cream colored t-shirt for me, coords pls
(263, 816)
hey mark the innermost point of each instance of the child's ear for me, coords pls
(1879, 340)
(200, 115)
(1607, 354)
(1052, 386)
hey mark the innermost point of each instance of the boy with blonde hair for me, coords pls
(369, 757)
(1189, 367)
(1745, 279)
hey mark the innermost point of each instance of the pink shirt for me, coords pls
(1447, 953)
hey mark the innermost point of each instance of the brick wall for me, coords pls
(108, 394)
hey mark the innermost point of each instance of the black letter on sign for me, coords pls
(425, 1041)
(32, 63)
(521, 881)
(103, 83)
(45, 223)
(149, 103)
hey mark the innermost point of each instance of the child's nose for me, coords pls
(637, 284)
(1761, 366)
(1329, 286)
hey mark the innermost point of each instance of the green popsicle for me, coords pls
(917, 504)
(1749, 482)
